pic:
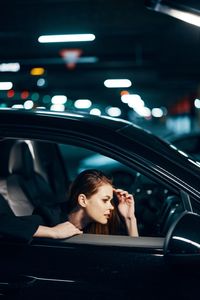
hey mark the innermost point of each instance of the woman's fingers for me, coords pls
(65, 230)
(123, 195)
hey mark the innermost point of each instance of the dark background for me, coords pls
(158, 53)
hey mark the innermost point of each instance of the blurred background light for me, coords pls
(5, 86)
(66, 38)
(132, 100)
(113, 111)
(37, 71)
(46, 99)
(57, 107)
(164, 109)
(125, 98)
(24, 95)
(59, 99)
(95, 111)
(189, 17)
(143, 111)
(117, 83)
(17, 106)
(41, 107)
(10, 93)
(197, 103)
(122, 93)
(35, 96)
(28, 104)
(9, 67)
(83, 103)
(157, 112)
(3, 105)
(41, 82)
(88, 60)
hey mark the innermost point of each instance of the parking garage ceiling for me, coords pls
(158, 53)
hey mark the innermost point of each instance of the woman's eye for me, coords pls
(105, 200)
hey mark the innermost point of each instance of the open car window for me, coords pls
(156, 205)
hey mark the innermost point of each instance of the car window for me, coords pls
(155, 204)
(57, 165)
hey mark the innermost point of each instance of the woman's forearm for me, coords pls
(131, 225)
(44, 231)
(60, 231)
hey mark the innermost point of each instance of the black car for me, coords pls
(188, 142)
(162, 263)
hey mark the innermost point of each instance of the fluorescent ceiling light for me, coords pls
(9, 67)
(83, 103)
(5, 86)
(186, 16)
(117, 83)
(182, 11)
(59, 99)
(66, 38)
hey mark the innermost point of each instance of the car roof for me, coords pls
(104, 120)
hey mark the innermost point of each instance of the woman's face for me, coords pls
(99, 205)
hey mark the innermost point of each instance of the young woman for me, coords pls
(91, 207)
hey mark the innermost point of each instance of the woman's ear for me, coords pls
(82, 200)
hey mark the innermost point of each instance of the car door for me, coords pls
(94, 267)
(85, 266)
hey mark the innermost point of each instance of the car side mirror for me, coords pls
(182, 243)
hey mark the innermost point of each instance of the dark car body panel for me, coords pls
(119, 270)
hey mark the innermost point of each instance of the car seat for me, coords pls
(27, 190)
(50, 165)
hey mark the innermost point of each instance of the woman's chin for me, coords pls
(103, 222)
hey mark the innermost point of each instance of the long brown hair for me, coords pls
(88, 182)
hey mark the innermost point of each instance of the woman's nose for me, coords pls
(111, 207)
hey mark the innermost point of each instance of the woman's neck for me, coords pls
(79, 219)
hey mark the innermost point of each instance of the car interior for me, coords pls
(32, 169)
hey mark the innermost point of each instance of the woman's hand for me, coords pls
(126, 204)
(65, 230)
(126, 208)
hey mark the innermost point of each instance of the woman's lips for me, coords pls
(107, 215)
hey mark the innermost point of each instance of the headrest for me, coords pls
(20, 160)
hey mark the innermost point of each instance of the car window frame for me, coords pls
(90, 145)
